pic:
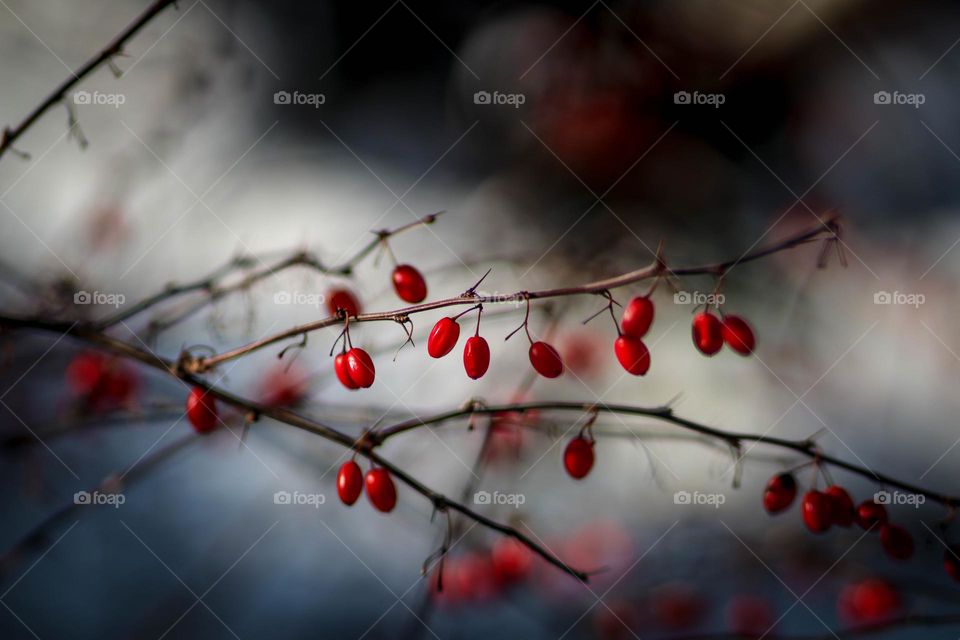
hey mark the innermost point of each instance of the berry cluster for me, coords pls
(101, 382)
(476, 576)
(381, 491)
(710, 333)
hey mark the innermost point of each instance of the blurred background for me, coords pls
(565, 141)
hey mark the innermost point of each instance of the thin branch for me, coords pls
(827, 230)
(11, 135)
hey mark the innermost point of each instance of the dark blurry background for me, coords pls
(592, 157)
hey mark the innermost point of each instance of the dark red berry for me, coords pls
(868, 601)
(750, 615)
(409, 284)
(738, 335)
(202, 410)
(443, 338)
(360, 367)
(342, 369)
(578, 457)
(951, 561)
(343, 299)
(511, 561)
(85, 372)
(476, 357)
(637, 317)
(871, 514)
(896, 541)
(283, 386)
(545, 360)
(632, 354)
(381, 491)
(780, 493)
(842, 506)
(817, 511)
(707, 333)
(349, 482)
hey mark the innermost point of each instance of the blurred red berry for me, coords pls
(738, 335)
(409, 284)
(707, 333)
(545, 360)
(578, 457)
(202, 410)
(780, 493)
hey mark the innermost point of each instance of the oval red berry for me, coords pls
(637, 317)
(476, 357)
(409, 284)
(707, 333)
(381, 491)
(360, 367)
(896, 541)
(632, 355)
(871, 514)
(343, 299)
(738, 335)
(578, 457)
(349, 482)
(443, 338)
(780, 493)
(202, 410)
(342, 369)
(546, 360)
(842, 513)
(817, 511)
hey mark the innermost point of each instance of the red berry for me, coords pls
(380, 489)
(707, 333)
(545, 360)
(342, 369)
(343, 299)
(817, 511)
(360, 367)
(738, 335)
(780, 493)
(637, 317)
(578, 457)
(896, 541)
(868, 601)
(511, 561)
(85, 372)
(750, 615)
(871, 514)
(632, 354)
(842, 506)
(202, 410)
(951, 561)
(283, 387)
(409, 284)
(476, 357)
(349, 482)
(443, 338)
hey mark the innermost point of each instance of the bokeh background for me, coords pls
(601, 162)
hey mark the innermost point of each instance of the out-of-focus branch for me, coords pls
(11, 135)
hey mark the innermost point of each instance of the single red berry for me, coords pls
(951, 561)
(381, 491)
(283, 386)
(738, 335)
(707, 333)
(343, 299)
(443, 338)
(511, 561)
(202, 410)
(578, 457)
(817, 511)
(349, 482)
(476, 357)
(871, 514)
(750, 615)
(868, 601)
(409, 284)
(842, 506)
(342, 369)
(780, 493)
(85, 372)
(545, 360)
(360, 367)
(632, 354)
(896, 541)
(637, 317)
